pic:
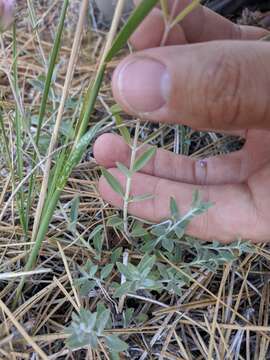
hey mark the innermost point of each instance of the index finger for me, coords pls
(202, 24)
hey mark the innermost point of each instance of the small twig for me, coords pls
(129, 178)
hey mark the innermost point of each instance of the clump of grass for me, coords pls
(78, 277)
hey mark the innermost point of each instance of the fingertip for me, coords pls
(145, 37)
(102, 149)
(251, 32)
(109, 149)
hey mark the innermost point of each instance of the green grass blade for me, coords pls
(52, 63)
(89, 103)
(135, 19)
(5, 138)
(18, 131)
(44, 100)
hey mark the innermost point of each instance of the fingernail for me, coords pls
(143, 85)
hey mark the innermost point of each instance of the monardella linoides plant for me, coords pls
(7, 9)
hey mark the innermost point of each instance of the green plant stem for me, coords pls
(39, 239)
(129, 178)
(89, 103)
(171, 21)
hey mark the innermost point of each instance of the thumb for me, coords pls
(219, 85)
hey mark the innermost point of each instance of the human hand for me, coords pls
(204, 81)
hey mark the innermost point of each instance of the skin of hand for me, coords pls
(212, 74)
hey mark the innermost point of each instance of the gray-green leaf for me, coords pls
(102, 321)
(116, 344)
(124, 170)
(113, 182)
(174, 209)
(123, 129)
(144, 158)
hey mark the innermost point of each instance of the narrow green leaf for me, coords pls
(124, 170)
(113, 182)
(147, 262)
(160, 229)
(135, 19)
(143, 159)
(105, 272)
(124, 270)
(98, 242)
(115, 221)
(77, 153)
(86, 286)
(116, 254)
(115, 109)
(89, 104)
(195, 199)
(123, 129)
(141, 198)
(179, 231)
(149, 246)
(96, 231)
(127, 316)
(74, 211)
(174, 209)
(138, 230)
(116, 344)
(102, 321)
(49, 76)
(168, 244)
(123, 289)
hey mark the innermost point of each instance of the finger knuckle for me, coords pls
(222, 90)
